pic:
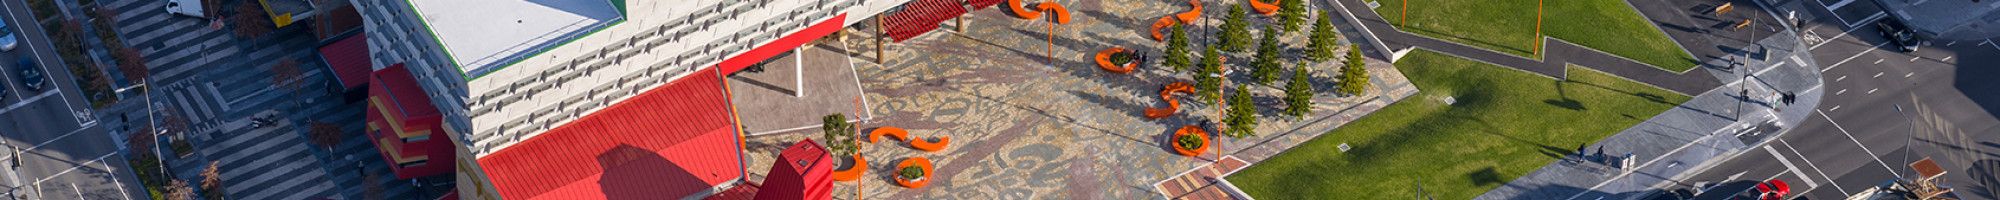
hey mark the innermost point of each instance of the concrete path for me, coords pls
(1712, 127)
(1557, 54)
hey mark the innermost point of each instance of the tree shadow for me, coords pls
(1485, 176)
(1986, 173)
(1566, 103)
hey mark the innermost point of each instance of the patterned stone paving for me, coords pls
(1026, 126)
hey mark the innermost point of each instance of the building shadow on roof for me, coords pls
(631, 172)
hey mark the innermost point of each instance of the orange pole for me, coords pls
(1538, 28)
(1405, 18)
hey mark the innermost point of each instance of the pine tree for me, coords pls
(1242, 117)
(1207, 77)
(1354, 76)
(1265, 66)
(1235, 30)
(1323, 39)
(1177, 49)
(1292, 13)
(1299, 92)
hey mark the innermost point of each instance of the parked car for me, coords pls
(31, 75)
(1906, 40)
(191, 8)
(7, 40)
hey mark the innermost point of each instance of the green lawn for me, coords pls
(1505, 124)
(1509, 26)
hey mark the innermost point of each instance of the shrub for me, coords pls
(1189, 141)
(1121, 58)
(911, 172)
(839, 134)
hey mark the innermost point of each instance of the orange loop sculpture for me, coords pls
(1163, 23)
(1267, 9)
(928, 146)
(1176, 19)
(1056, 11)
(891, 131)
(852, 172)
(1014, 6)
(1191, 14)
(1190, 130)
(1173, 105)
(1104, 61)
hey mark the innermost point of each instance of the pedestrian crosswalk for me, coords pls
(217, 81)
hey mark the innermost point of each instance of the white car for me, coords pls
(191, 8)
(7, 40)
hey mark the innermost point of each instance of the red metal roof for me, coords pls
(669, 142)
(349, 60)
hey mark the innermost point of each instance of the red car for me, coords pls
(1773, 189)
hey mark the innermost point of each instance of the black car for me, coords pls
(31, 75)
(1906, 40)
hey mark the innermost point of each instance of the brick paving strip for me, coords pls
(1200, 182)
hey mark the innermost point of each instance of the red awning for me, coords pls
(348, 58)
(783, 44)
(667, 143)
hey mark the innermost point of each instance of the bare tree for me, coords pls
(174, 124)
(132, 64)
(141, 141)
(250, 20)
(325, 134)
(179, 190)
(286, 74)
(211, 181)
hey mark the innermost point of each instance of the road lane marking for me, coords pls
(1839, 92)
(1835, 37)
(1842, 77)
(1946, 59)
(1835, 108)
(1909, 74)
(1950, 43)
(1878, 75)
(53, 140)
(1822, 172)
(1791, 168)
(128, 196)
(84, 165)
(1857, 142)
(78, 190)
(1872, 91)
(1914, 58)
(1878, 61)
(25, 102)
(1850, 58)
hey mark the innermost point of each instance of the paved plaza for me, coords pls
(1025, 126)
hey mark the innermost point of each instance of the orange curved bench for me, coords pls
(1267, 9)
(1189, 130)
(1163, 23)
(1104, 61)
(852, 172)
(1192, 14)
(891, 131)
(928, 146)
(1014, 6)
(1173, 105)
(1056, 11)
(921, 163)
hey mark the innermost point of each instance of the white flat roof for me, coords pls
(485, 35)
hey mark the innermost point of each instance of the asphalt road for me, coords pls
(64, 154)
(1883, 110)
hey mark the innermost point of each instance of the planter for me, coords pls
(1190, 131)
(919, 182)
(857, 167)
(1104, 61)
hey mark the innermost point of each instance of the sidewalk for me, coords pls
(1713, 126)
